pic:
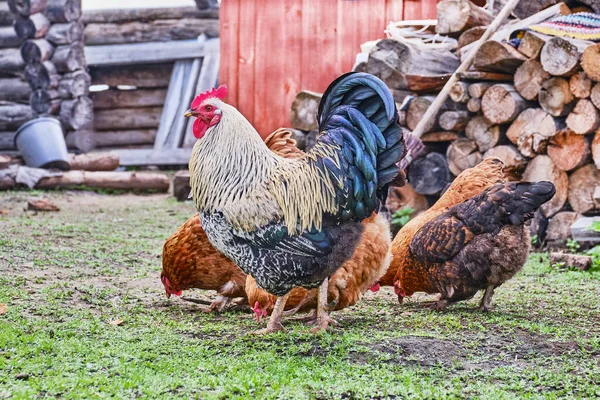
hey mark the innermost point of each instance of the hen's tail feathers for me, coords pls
(364, 106)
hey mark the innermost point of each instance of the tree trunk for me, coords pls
(25, 8)
(108, 180)
(453, 120)
(94, 161)
(34, 27)
(590, 62)
(162, 30)
(69, 58)
(36, 51)
(429, 175)
(470, 35)
(14, 89)
(595, 95)
(494, 56)
(127, 118)
(460, 92)
(63, 10)
(478, 89)
(559, 227)
(541, 168)
(11, 60)
(141, 76)
(556, 98)
(502, 104)
(514, 162)
(75, 84)
(303, 115)
(582, 183)
(584, 118)
(484, 134)
(456, 16)
(462, 154)
(13, 115)
(529, 78)
(559, 57)
(532, 130)
(41, 75)
(569, 150)
(580, 85)
(531, 45)
(76, 113)
(474, 105)
(64, 34)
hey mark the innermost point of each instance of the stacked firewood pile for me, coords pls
(47, 72)
(533, 102)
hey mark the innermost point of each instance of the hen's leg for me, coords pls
(486, 300)
(220, 303)
(323, 318)
(274, 323)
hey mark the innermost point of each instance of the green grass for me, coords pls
(65, 276)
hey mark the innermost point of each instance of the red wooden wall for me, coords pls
(272, 49)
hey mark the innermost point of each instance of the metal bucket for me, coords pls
(42, 144)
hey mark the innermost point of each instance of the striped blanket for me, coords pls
(584, 26)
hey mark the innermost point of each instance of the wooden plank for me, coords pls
(141, 76)
(137, 53)
(247, 59)
(412, 9)
(292, 42)
(260, 65)
(135, 157)
(169, 112)
(127, 118)
(394, 10)
(115, 98)
(230, 29)
(146, 14)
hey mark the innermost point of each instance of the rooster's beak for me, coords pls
(190, 113)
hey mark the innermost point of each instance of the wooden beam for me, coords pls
(134, 157)
(137, 53)
(145, 14)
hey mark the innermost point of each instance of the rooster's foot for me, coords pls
(323, 325)
(269, 329)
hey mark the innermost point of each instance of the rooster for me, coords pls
(460, 247)
(294, 222)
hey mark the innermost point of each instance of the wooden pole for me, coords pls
(443, 96)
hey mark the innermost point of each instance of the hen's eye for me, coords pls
(208, 108)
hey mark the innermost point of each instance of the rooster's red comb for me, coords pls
(219, 93)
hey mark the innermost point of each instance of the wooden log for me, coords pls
(584, 118)
(421, 84)
(14, 89)
(143, 181)
(162, 30)
(460, 92)
(456, 16)
(41, 75)
(532, 129)
(76, 113)
(556, 98)
(559, 57)
(531, 45)
(13, 115)
(36, 51)
(140, 76)
(484, 76)
(181, 185)
(69, 58)
(145, 14)
(582, 183)
(514, 162)
(571, 261)
(6, 16)
(529, 78)
(124, 137)
(11, 60)
(34, 27)
(63, 10)
(580, 85)
(127, 118)
(484, 134)
(502, 103)
(139, 53)
(559, 227)
(74, 84)
(42, 101)
(541, 168)
(581, 230)
(568, 150)
(528, 8)
(7, 140)
(470, 35)
(474, 105)
(303, 114)
(115, 98)
(94, 161)
(406, 196)
(429, 174)
(419, 105)
(596, 149)
(590, 62)
(63, 34)
(478, 89)
(8, 38)
(7, 161)
(453, 120)
(462, 154)
(595, 95)
(593, 4)
(391, 61)
(25, 8)
(500, 57)
(437, 137)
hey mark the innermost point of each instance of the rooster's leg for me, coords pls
(274, 323)
(487, 298)
(323, 318)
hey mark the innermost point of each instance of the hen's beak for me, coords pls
(190, 113)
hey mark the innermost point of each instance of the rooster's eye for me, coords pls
(208, 108)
